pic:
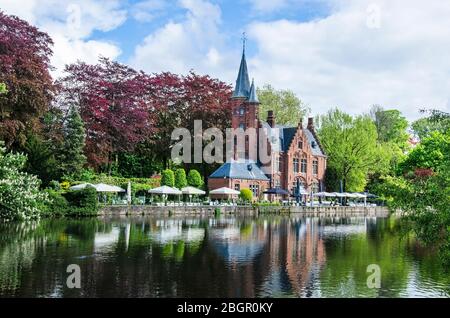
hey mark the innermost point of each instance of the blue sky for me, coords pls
(332, 53)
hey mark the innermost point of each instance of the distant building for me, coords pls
(296, 152)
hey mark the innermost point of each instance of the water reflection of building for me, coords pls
(284, 258)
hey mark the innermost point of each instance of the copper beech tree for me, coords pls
(123, 108)
(25, 69)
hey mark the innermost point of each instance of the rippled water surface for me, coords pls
(216, 257)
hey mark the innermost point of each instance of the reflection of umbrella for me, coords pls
(225, 191)
(129, 192)
(82, 186)
(339, 195)
(276, 191)
(370, 195)
(192, 191)
(324, 194)
(165, 190)
(101, 187)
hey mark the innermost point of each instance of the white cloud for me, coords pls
(146, 11)
(349, 61)
(70, 24)
(194, 43)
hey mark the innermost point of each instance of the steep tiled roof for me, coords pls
(287, 134)
(242, 88)
(313, 143)
(253, 97)
(239, 170)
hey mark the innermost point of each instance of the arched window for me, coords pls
(315, 167)
(296, 165)
(300, 143)
(241, 111)
(304, 165)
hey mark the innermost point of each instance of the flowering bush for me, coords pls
(20, 198)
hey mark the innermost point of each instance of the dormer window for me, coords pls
(313, 144)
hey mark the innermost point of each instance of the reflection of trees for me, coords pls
(345, 272)
(195, 257)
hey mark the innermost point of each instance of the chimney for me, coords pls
(311, 123)
(271, 118)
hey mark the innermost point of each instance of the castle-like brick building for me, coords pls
(296, 155)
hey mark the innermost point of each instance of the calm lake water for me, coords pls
(216, 257)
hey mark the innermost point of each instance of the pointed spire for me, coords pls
(242, 88)
(253, 97)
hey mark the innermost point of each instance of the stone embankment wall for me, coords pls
(243, 210)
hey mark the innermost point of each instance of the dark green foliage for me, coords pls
(180, 178)
(194, 179)
(72, 153)
(57, 206)
(135, 165)
(41, 160)
(83, 202)
(168, 178)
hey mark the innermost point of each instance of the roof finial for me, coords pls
(244, 40)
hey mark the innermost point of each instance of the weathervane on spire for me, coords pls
(244, 40)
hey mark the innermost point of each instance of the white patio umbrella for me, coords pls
(192, 191)
(82, 186)
(225, 191)
(101, 187)
(165, 190)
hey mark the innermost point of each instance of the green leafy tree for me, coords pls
(429, 154)
(168, 178)
(287, 107)
(352, 148)
(391, 126)
(20, 198)
(194, 179)
(73, 158)
(423, 190)
(180, 178)
(437, 121)
(246, 195)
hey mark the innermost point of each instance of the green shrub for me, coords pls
(246, 195)
(194, 179)
(168, 178)
(83, 202)
(57, 205)
(180, 178)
